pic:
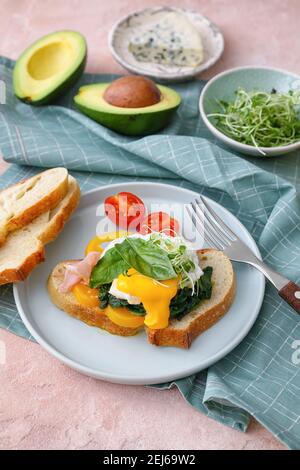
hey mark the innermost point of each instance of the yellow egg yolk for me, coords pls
(85, 295)
(154, 295)
(95, 244)
(122, 317)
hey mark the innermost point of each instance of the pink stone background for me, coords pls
(45, 405)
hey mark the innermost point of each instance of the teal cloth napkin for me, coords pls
(259, 377)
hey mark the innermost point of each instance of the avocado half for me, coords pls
(128, 121)
(49, 67)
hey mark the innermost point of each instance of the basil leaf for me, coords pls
(146, 258)
(136, 253)
(109, 267)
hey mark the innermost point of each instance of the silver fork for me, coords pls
(220, 236)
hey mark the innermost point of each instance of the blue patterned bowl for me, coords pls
(223, 86)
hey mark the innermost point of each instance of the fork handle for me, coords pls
(288, 290)
(291, 294)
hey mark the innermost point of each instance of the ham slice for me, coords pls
(79, 271)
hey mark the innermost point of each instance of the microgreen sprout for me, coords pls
(183, 260)
(259, 118)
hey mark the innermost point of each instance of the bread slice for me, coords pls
(24, 248)
(181, 333)
(93, 316)
(24, 201)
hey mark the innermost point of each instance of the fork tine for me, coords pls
(212, 242)
(230, 234)
(195, 219)
(209, 233)
(213, 226)
(210, 229)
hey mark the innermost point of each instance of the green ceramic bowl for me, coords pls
(223, 86)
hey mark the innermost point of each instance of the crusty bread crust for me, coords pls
(92, 316)
(43, 204)
(20, 274)
(41, 235)
(183, 338)
(58, 220)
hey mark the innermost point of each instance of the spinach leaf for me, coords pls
(104, 295)
(108, 299)
(146, 258)
(184, 302)
(110, 266)
(138, 309)
(205, 284)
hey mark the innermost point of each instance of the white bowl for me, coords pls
(120, 35)
(223, 86)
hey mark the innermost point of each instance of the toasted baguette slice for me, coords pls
(93, 316)
(181, 333)
(24, 248)
(23, 202)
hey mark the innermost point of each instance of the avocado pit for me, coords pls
(132, 91)
(145, 119)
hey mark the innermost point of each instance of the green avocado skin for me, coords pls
(134, 124)
(61, 89)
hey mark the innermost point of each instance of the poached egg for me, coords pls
(155, 296)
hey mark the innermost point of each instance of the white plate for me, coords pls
(121, 33)
(131, 360)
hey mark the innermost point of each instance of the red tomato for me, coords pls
(160, 221)
(125, 210)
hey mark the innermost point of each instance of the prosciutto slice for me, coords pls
(79, 271)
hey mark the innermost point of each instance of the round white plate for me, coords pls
(131, 360)
(122, 32)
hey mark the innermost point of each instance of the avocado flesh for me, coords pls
(49, 67)
(128, 121)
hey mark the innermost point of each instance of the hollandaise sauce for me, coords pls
(154, 295)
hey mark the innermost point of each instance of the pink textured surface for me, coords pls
(43, 403)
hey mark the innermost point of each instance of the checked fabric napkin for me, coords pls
(260, 377)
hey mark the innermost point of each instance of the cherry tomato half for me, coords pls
(158, 222)
(125, 210)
